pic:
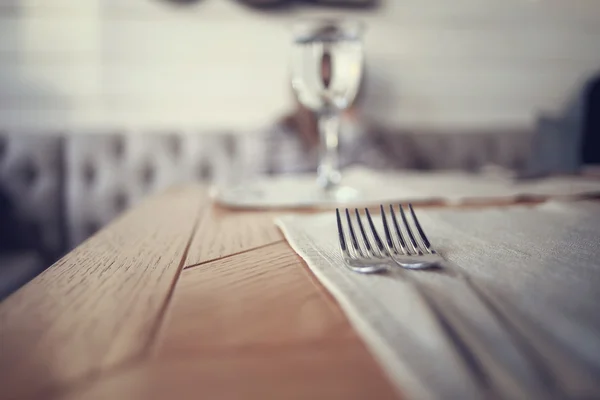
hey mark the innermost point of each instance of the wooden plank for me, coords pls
(101, 304)
(244, 327)
(264, 298)
(336, 371)
(222, 233)
(257, 325)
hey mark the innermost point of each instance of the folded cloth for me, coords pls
(523, 324)
(375, 187)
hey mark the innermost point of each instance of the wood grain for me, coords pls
(222, 233)
(258, 325)
(264, 298)
(100, 305)
(342, 370)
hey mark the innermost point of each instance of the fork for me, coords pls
(402, 248)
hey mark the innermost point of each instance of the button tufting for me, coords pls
(204, 171)
(175, 146)
(89, 174)
(120, 202)
(118, 147)
(230, 145)
(147, 176)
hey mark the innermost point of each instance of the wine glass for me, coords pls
(326, 70)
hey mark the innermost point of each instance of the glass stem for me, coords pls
(328, 173)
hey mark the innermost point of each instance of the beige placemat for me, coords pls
(375, 187)
(527, 326)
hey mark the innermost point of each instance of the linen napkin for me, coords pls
(375, 187)
(525, 324)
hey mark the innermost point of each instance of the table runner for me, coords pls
(524, 325)
(377, 186)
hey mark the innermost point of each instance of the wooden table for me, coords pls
(180, 299)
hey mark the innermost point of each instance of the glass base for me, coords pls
(337, 194)
(285, 192)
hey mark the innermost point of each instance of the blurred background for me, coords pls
(104, 102)
(220, 65)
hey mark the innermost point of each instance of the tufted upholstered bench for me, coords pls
(109, 172)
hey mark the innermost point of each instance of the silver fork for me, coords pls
(412, 253)
(359, 258)
(366, 256)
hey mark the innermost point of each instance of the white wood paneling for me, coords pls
(418, 11)
(219, 65)
(48, 34)
(60, 8)
(23, 80)
(463, 44)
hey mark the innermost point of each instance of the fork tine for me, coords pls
(366, 239)
(386, 230)
(378, 241)
(357, 248)
(341, 231)
(411, 237)
(424, 239)
(398, 230)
